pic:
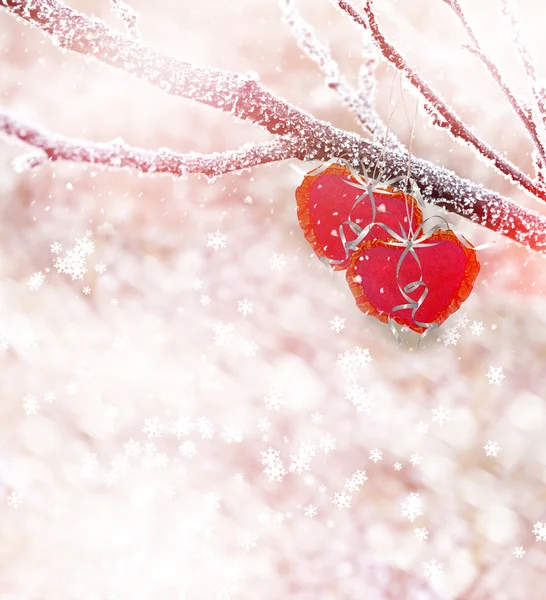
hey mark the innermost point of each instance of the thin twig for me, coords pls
(453, 123)
(538, 90)
(360, 104)
(524, 113)
(118, 154)
(128, 15)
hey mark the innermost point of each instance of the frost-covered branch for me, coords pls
(118, 154)
(310, 138)
(539, 90)
(128, 15)
(523, 111)
(239, 95)
(359, 102)
(449, 119)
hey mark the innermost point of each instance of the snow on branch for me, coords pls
(128, 15)
(538, 88)
(306, 138)
(523, 111)
(450, 120)
(118, 154)
(361, 104)
(236, 94)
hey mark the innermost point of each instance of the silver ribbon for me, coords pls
(409, 241)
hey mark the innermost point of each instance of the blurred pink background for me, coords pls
(161, 350)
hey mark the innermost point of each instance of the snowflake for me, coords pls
(73, 263)
(476, 328)
(119, 464)
(411, 507)
(3, 344)
(357, 479)
(441, 415)
(316, 418)
(86, 290)
(337, 324)
(56, 247)
(308, 479)
(182, 426)
(205, 428)
(421, 533)
(14, 500)
(451, 337)
(248, 541)
(205, 300)
(350, 362)
(495, 375)
(264, 424)
(421, 428)
(110, 478)
(250, 347)
(100, 268)
(415, 459)
(121, 342)
(539, 531)
(132, 447)
(302, 460)
(433, 569)
(71, 388)
(245, 307)
(491, 448)
(35, 281)
(89, 463)
(328, 443)
(239, 477)
(462, 321)
(397, 466)
(376, 455)
(519, 552)
(494, 327)
(342, 500)
(310, 511)
(49, 396)
(232, 435)
(277, 262)
(187, 449)
(274, 467)
(216, 241)
(30, 405)
(196, 284)
(359, 397)
(152, 428)
(274, 399)
(223, 332)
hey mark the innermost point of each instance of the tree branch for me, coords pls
(360, 105)
(313, 139)
(538, 90)
(127, 15)
(522, 110)
(233, 93)
(453, 123)
(118, 154)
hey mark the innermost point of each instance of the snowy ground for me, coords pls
(191, 418)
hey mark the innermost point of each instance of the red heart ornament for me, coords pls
(449, 269)
(325, 202)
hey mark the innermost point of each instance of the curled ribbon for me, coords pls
(415, 239)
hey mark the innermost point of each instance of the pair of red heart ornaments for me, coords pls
(395, 271)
